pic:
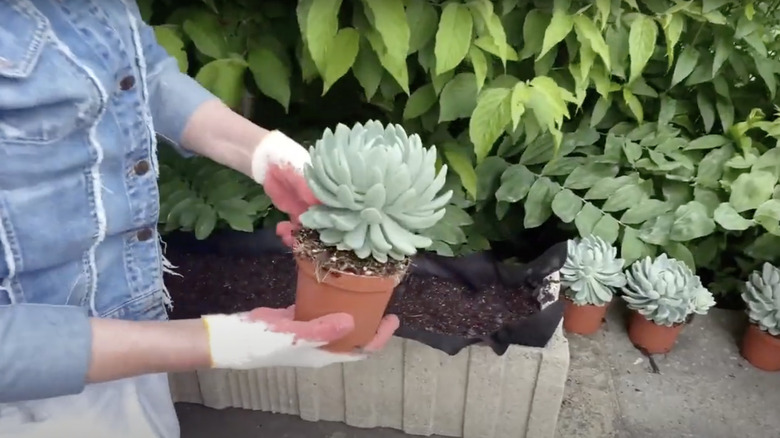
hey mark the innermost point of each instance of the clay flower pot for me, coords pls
(761, 349)
(653, 338)
(366, 298)
(583, 320)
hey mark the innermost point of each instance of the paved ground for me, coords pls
(703, 389)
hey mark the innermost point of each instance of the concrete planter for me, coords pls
(408, 386)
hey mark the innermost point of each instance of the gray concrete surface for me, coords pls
(703, 389)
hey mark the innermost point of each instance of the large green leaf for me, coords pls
(752, 189)
(538, 203)
(561, 24)
(516, 181)
(691, 221)
(641, 41)
(271, 74)
(321, 27)
(768, 216)
(207, 34)
(224, 78)
(453, 38)
(341, 56)
(588, 32)
(673, 27)
(367, 69)
(173, 44)
(566, 205)
(458, 98)
(388, 18)
(461, 163)
(685, 65)
(423, 21)
(730, 219)
(423, 99)
(490, 118)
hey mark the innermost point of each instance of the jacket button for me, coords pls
(127, 83)
(141, 167)
(144, 235)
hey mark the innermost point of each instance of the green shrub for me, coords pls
(648, 123)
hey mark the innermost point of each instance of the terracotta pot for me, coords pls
(653, 338)
(583, 320)
(761, 349)
(364, 297)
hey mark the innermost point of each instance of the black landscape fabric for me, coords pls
(474, 271)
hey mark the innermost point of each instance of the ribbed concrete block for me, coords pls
(408, 386)
(186, 387)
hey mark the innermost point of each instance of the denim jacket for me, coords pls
(84, 87)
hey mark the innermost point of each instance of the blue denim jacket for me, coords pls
(84, 87)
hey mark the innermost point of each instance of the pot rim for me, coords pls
(346, 280)
(673, 326)
(588, 304)
(769, 337)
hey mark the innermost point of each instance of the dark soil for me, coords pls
(219, 284)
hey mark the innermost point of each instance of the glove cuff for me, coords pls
(276, 148)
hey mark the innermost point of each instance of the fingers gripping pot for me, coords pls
(379, 190)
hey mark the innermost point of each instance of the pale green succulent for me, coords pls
(762, 296)
(378, 187)
(591, 271)
(665, 291)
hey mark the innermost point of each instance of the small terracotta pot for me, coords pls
(583, 320)
(364, 297)
(761, 349)
(653, 338)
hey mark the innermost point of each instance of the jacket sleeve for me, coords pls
(45, 351)
(173, 96)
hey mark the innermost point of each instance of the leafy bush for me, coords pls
(199, 195)
(643, 122)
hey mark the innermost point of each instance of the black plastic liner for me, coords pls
(474, 271)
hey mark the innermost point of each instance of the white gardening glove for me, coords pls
(271, 338)
(278, 163)
(277, 149)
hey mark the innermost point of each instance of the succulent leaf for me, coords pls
(665, 291)
(378, 187)
(762, 296)
(591, 271)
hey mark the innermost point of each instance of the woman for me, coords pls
(84, 341)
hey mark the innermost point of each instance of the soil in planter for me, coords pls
(220, 284)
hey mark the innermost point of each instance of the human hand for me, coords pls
(267, 337)
(277, 164)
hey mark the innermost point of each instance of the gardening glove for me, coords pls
(271, 338)
(277, 164)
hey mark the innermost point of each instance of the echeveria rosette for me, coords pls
(591, 271)
(378, 187)
(665, 291)
(762, 296)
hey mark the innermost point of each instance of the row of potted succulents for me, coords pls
(662, 294)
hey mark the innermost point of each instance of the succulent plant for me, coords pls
(378, 187)
(762, 296)
(591, 271)
(665, 291)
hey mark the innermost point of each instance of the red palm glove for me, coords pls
(278, 164)
(289, 193)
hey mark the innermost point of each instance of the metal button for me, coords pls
(141, 167)
(127, 83)
(144, 234)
